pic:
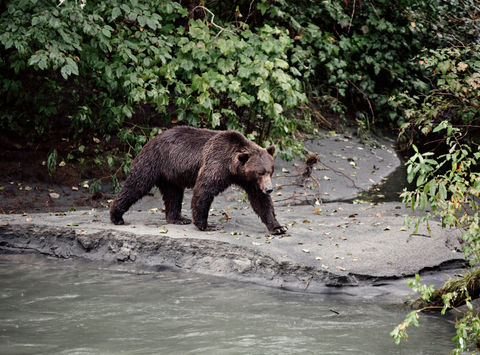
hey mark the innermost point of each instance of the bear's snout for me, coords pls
(266, 184)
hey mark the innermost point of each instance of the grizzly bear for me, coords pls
(207, 161)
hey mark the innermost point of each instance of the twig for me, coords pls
(351, 17)
(341, 173)
(308, 283)
(366, 97)
(211, 20)
(249, 11)
(312, 159)
(298, 197)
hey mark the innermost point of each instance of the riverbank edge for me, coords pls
(209, 257)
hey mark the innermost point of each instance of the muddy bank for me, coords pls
(328, 244)
(344, 244)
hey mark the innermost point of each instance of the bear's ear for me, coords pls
(243, 157)
(271, 150)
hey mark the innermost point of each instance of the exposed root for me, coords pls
(466, 288)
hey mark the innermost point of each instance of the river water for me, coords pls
(74, 307)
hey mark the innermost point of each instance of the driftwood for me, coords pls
(304, 175)
(467, 289)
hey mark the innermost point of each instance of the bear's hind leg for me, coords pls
(173, 197)
(133, 189)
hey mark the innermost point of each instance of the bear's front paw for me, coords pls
(181, 220)
(212, 228)
(208, 227)
(118, 221)
(279, 230)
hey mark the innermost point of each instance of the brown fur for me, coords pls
(207, 161)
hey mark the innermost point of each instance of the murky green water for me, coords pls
(65, 307)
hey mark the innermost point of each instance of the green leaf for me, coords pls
(116, 12)
(442, 191)
(277, 109)
(264, 95)
(441, 125)
(215, 121)
(52, 162)
(107, 31)
(281, 63)
(268, 46)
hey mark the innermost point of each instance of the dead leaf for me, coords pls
(317, 211)
(378, 214)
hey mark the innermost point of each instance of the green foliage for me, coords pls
(400, 331)
(468, 330)
(93, 70)
(453, 96)
(424, 290)
(446, 110)
(52, 162)
(449, 185)
(118, 68)
(354, 54)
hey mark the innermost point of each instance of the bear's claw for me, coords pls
(279, 230)
(181, 220)
(118, 222)
(209, 228)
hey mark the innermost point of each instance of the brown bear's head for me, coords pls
(257, 167)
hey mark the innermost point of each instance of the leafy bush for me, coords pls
(454, 196)
(355, 54)
(453, 75)
(448, 183)
(120, 68)
(98, 69)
